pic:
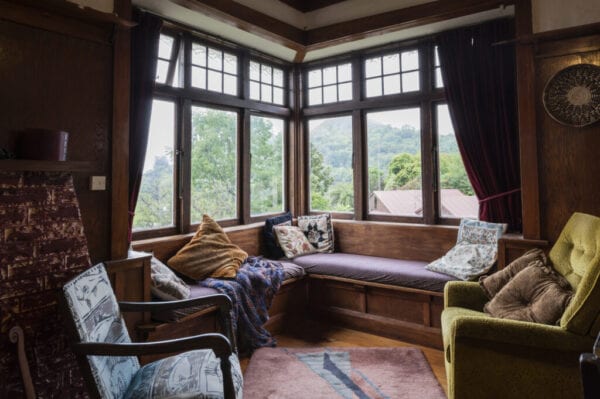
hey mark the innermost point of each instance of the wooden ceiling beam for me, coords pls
(309, 5)
(395, 20)
(249, 20)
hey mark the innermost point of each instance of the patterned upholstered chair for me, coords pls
(108, 358)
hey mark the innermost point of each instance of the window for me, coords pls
(214, 70)
(331, 169)
(155, 200)
(167, 67)
(266, 83)
(437, 70)
(457, 198)
(267, 172)
(330, 84)
(392, 73)
(394, 162)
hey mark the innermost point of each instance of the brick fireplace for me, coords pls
(42, 245)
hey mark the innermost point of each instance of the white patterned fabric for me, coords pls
(475, 251)
(292, 241)
(319, 231)
(194, 374)
(95, 311)
(166, 285)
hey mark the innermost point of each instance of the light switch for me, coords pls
(97, 183)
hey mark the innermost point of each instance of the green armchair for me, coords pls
(497, 358)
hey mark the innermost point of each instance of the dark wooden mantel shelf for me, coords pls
(14, 165)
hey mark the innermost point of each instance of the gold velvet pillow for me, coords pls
(209, 253)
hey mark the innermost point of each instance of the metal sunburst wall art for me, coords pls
(572, 96)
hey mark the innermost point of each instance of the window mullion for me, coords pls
(430, 213)
(244, 162)
(185, 166)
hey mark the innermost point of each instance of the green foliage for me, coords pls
(404, 173)
(155, 200)
(453, 174)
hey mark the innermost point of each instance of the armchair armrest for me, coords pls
(217, 342)
(464, 294)
(513, 332)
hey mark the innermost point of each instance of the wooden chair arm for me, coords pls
(217, 342)
(220, 300)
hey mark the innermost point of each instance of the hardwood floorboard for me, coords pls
(313, 335)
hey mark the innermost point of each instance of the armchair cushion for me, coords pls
(537, 294)
(193, 374)
(492, 284)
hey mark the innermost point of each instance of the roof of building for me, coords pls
(410, 202)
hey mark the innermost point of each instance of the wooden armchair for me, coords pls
(108, 358)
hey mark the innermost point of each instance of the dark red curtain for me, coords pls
(479, 77)
(144, 53)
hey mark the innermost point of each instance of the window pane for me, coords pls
(345, 73)
(394, 162)
(410, 82)
(277, 77)
(373, 67)
(155, 202)
(329, 75)
(457, 198)
(315, 96)
(265, 74)
(330, 94)
(199, 77)
(162, 67)
(373, 87)
(391, 84)
(229, 84)
(254, 70)
(215, 81)
(410, 60)
(265, 93)
(165, 46)
(278, 96)
(331, 173)
(439, 81)
(177, 80)
(230, 63)
(198, 54)
(214, 164)
(345, 92)
(314, 78)
(215, 60)
(266, 166)
(255, 90)
(436, 61)
(391, 64)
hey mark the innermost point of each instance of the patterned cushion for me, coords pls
(95, 311)
(474, 253)
(319, 231)
(272, 248)
(166, 285)
(293, 241)
(194, 374)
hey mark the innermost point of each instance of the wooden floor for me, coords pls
(314, 335)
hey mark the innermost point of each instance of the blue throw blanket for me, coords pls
(251, 292)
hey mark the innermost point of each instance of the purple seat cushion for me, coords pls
(403, 273)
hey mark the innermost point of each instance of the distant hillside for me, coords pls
(333, 139)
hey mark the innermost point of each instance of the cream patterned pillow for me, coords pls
(475, 251)
(318, 230)
(292, 241)
(166, 285)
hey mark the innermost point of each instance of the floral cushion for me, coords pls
(319, 231)
(193, 374)
(292, 241)
(95, 311)
(475, 251)
(166, 285)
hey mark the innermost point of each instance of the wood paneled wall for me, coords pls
(568, 157)
(54, 80)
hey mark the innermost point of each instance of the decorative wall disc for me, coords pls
(572, 96)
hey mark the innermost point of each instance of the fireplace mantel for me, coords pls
(27, 165)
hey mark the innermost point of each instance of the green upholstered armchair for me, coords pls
(497, 358)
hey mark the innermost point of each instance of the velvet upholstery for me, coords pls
(487, 357)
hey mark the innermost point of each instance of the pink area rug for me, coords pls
(365, 373)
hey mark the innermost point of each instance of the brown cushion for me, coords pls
(209, 253)
(536, 294)
(493, 283)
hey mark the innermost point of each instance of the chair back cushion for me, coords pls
(95, 311)
(576, 255)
